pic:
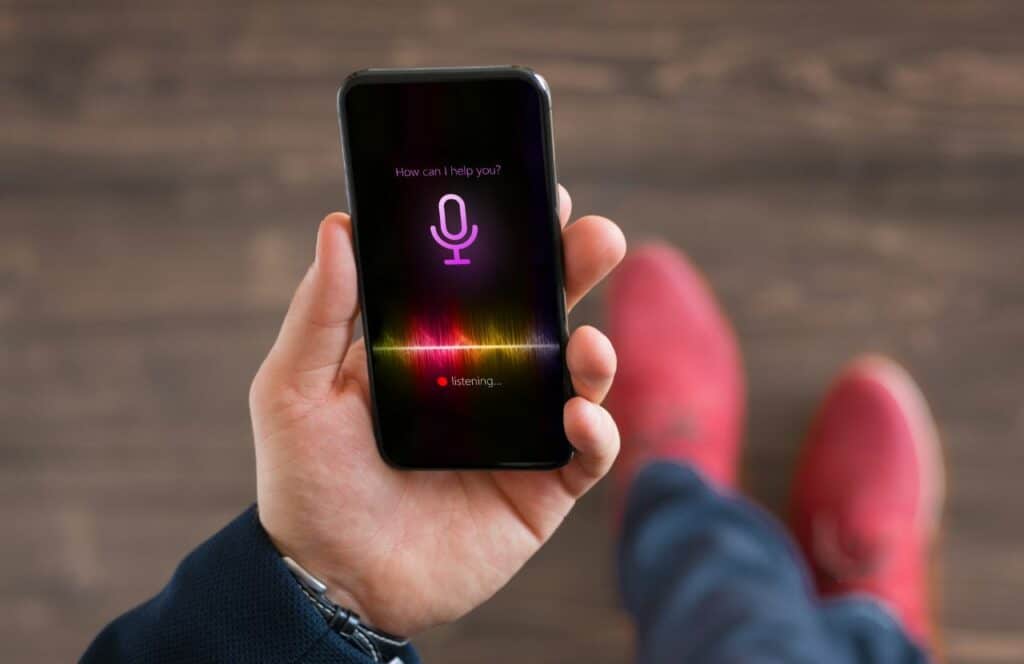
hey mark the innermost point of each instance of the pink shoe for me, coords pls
(679, 391)
(869, 490)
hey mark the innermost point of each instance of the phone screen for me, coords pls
(451, 187)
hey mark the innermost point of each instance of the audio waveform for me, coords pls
(436, 343)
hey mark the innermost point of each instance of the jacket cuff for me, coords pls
(232, 599)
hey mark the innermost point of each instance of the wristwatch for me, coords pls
(378, 645)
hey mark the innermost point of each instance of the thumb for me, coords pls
(318, 326)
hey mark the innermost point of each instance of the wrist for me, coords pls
(375, 643)
(335, 589)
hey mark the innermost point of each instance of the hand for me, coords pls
(409, 550)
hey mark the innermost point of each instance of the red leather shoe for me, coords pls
(679, 389)
(868, 491)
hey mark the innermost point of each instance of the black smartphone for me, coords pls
(452, 190)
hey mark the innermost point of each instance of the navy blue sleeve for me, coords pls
(231, 600)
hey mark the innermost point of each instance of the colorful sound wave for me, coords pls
(434, 343)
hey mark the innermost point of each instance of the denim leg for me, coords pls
(710, 578)
(869, 630)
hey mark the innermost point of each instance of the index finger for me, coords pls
(593, 246)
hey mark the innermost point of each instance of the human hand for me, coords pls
(409, 550)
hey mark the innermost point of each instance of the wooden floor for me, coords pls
(850, 176)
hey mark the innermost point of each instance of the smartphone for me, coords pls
(452, 191)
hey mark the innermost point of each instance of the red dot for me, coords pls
(442, 381)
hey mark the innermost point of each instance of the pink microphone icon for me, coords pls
(453, 241)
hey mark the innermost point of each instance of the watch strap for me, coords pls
(375, 643)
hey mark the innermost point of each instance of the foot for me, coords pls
(868, 491)
(679, 391)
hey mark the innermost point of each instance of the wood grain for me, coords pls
(849, 175)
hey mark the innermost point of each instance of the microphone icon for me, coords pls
(453, 241)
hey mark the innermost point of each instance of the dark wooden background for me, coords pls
(850, 174)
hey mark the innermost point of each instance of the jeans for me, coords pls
(709, 578)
